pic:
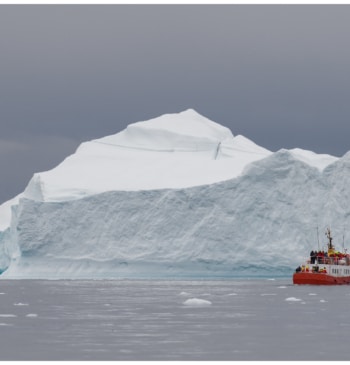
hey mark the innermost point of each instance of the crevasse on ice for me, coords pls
(176, 196)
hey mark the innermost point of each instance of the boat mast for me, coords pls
(330, 238)
(318, 240)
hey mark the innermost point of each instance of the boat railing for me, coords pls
(330, 261)
(334, 270)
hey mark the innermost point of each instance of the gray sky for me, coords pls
(278, 74)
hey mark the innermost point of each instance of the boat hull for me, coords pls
(310, 278)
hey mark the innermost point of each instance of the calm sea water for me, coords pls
(254, 319)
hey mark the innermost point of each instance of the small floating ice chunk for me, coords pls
(196, 302)
(184, 293)
(282, 287)
(20, 304)
(31, 315)
(2, 293)
(6, 324)
(293, 299)
(264, 294)
(272, 279)
(232, 294)
(312, 294)
(323, 301)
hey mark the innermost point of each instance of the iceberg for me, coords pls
(178, 196)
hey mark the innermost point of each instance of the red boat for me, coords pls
(324, 268)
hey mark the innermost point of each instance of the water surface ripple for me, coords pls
(257, 319)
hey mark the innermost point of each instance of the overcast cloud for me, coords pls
(278, 74)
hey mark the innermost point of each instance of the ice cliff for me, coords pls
(175, 196)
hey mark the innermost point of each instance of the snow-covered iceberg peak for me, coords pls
(185, 131)
(172, 151)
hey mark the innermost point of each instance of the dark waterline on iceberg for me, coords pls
(30, 267)
(241, 319)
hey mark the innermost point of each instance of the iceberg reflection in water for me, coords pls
(257, 319)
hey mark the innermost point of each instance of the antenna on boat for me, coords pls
(318, 239)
